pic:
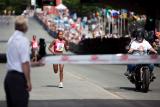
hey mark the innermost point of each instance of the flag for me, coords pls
(124, 13)
(107, 12)
(114, 13)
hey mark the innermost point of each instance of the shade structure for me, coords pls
(61, 7)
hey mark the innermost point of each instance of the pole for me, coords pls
(124, 26)
(121, 27)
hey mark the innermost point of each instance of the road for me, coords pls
(84, 85)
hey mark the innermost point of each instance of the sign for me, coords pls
(33, 2)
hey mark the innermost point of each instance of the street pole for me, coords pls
(117, 26)
(124, 30)
(121, 26)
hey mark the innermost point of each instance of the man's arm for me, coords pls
(26, 70)
(130, 50)
(132, 47)
(150, 48)
(153, 50)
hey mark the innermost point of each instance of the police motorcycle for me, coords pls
(141, 76)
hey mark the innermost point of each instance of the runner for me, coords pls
(35, 46)
(57, 47)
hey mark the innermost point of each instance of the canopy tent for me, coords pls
(61, 7)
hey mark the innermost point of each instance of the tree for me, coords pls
(17, 5)
(81, 9)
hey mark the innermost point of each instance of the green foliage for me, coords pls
(82, 10)
(72, 4)
(17, 5)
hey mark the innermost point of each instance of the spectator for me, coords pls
(17, 83)
(42, 48)
(35, 47)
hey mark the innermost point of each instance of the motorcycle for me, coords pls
(141, 77)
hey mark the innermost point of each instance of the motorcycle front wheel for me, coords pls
(145, 80)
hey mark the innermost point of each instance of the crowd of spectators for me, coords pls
(75, 28)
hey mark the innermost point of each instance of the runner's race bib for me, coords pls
(60, 47)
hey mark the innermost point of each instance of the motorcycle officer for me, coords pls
(138, 46)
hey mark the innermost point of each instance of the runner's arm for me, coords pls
(50, 47)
